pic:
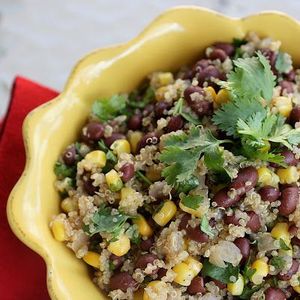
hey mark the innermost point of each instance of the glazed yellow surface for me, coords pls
(175, 38)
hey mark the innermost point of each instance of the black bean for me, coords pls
(175, 123)
(115, 136)
(293, 230)
(148, 110)
(271, 56)
(200, 65)
(196, 234)
(184, 221)
(254, 221)
(146, 245)
(161, 273)
(135, 122)
(291, 76)
(289, 158)
(193, 90)
(218, 54)
(223, 200)
(286, 86)
(269, 193)
(274, 294)
(117, 261)
(148, 139)
(293, 270)
(122, 281)
(244, 245)
(69, 156)
(226, 47)
(246, 180)
(144, 260)
(208, 73)
(219, 284)
(94, 131)
(197, 286)
(127, 172)
(289, 200)
(161, 109)
(88, 186)
(233, 219)
(295, 115)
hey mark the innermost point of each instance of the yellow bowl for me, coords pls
(176, 37)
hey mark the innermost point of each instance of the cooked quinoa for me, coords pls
(188, 187)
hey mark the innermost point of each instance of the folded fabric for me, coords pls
(22, 272)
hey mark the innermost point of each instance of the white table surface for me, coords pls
(42, 39)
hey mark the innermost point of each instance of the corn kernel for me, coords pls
(143, 226)
(120, 146)
(194, 264)
(97, 158)
(156, 286)
(160, 93)
(288, 175)
(153, 173)
(236, 288)
(134, 137)
(199, 212)
(113, 180)
(266, 147)
(283, 105)
(297, 289)
(184, 274)
(281, 231)
(211, 92)
(261, 270)
(166, 213)
(165, 78)
(68, 205)
(185, 244)
(222, 97)
(92, 259)
(120, 247)
(267, 177)
(58, 230)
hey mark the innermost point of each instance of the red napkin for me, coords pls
(22, 272)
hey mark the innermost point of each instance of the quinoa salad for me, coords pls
(188, 186)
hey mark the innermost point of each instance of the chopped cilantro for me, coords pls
(238, 42)
(141, 103)
(248, 291)
(62, 171)
(205, 227)
(178, 110)
(283, 245)
(142, 178)
(187, 185)
(109, 154)
(190, 201)
(109, 108)
(221, 274)
(283, 63)
(133, 233)
(278, 262)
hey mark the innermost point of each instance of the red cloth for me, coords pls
(22, 272)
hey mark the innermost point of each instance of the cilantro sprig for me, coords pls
(178, 110)
(191, 201)
(182, 152)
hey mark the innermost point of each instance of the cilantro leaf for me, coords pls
(178, 110)
(187, 185)
(133, 233)
(221, 274)
(278, 262)
(238, 42)
(107, 220)
(62, 171)
(248, 291)
(252, 78)
(142, 177)
(191, 201)
(205, 227)
(283, 63)
(134, 102)
(182, 152)
(283, 245)
(109, 154)
(107, 109)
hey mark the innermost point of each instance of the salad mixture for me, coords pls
(188, 187)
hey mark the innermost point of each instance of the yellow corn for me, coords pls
(199, 212)
(281, 231)
(267, 177)
(113, 180)
(236, 288)
(283, 104)
(68, 205)
(156, 286)
(134, 137)
(266, 147)
(194, 265)
(222, 97)
(184, 274)
(97, 158)
(126, 192)
(120, 146)
(297, 289)
(211, 92)
(166, 213)
(153, 173)
(92, 259)
(160, 93)
(143, 226)
(261, 270)
(121, 246)
(58, 230)
(165, 78)
(288, 175)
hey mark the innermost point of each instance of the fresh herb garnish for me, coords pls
(141, 103)
(187, 185)
(238, 42)
(107, 220)
(222, 274)
(190, 201)
(140, 176)
(205, 227)
(133, 233)
(109, 154)
(109, 108)
(277, 262)
(283, 245)
(283, 63)
(248, 291)
(182, 152)
(62, 171)
(178, 110)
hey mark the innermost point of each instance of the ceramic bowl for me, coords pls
(175, 38)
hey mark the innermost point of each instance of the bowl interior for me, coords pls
(176, 38)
